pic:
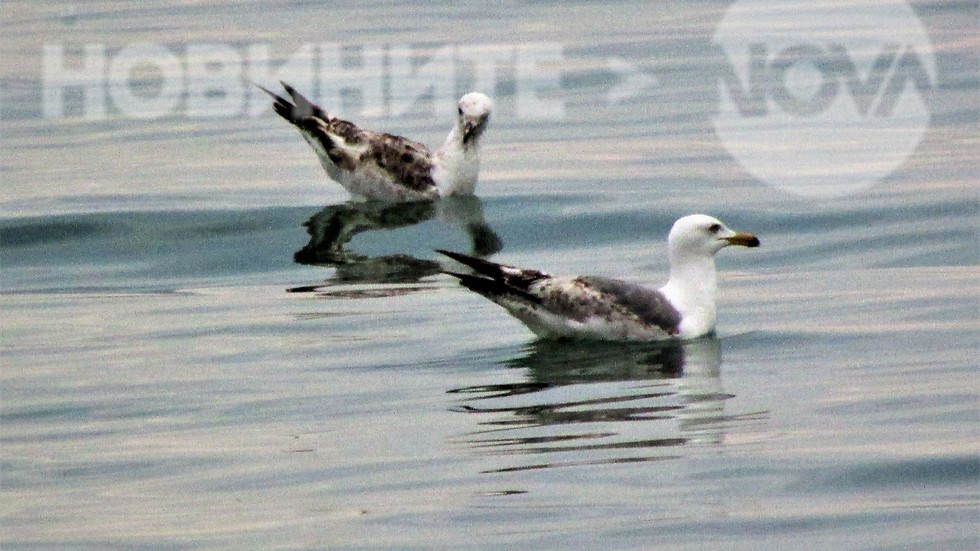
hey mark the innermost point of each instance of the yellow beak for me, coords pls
(743, 239)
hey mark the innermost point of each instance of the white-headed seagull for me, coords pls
(592, 307)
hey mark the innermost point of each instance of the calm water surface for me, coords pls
(204, 346)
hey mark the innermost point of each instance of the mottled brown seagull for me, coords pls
(592, 307)
(376, 165)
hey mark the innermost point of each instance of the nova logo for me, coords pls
(823, 100)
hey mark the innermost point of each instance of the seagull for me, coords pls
(600, 308)
(385, 167)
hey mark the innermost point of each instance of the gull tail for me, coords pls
(493, 289)
(495, 280)
(485, 267)
(296, 110)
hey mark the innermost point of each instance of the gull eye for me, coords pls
(460, 110)
(714, 228)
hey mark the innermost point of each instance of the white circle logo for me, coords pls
(823, 100)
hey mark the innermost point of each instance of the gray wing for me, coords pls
(650, 306)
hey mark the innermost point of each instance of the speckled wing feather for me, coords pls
(649, 305)
(407, 162)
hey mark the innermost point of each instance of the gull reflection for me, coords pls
(332, 229)
(596, 403)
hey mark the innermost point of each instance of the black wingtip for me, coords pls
(457, 275)
(489, 280)
(464, 259)
(302, 104)
(303, 107)
(282, 106)
(491, 288)
(266, 90)
(460, 257)
(485, 267)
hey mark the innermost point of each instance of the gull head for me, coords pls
(473, 115)
(703, 236)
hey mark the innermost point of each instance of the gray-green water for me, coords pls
(185, 365)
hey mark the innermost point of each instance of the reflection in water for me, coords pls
(596, 403)
(332, 229)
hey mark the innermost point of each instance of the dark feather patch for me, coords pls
(496, 280)
(304, 107)
(299, 108)
(407, 161)
(492, 288)
(518, 278)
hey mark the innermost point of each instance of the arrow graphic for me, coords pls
(632, 81)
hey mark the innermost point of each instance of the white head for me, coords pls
(693, 242)
(698, 235)
(473, 114)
